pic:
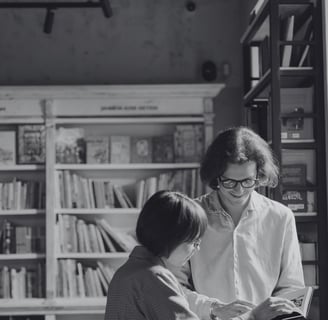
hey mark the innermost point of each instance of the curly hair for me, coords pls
(238, 145)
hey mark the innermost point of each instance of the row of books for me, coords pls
(18, 194)
(77, 280)
(77, 235)
(185, 181)
(21, 239)
(186, 144)
(75, 191)
(22, 283)
(30, 145)
(292, 55)
(295, 28)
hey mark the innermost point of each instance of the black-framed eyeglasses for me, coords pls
(232, 183)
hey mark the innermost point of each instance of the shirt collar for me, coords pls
(142, 253)
(214, 205)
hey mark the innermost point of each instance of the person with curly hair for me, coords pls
(250, 250)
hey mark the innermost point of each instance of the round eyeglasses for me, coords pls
(232, 183)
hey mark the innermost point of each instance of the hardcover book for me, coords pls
(163, 149)
(31, 144)
(294, 174)
(302, 299)
(185, 145)
(70, 145)
(97, 149)
(7, 147)
(141, 150)
(120, 149)
(288, 32)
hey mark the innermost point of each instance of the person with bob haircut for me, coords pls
(169, 228)
(250, 249)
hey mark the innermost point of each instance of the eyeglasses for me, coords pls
(196, 244)
(232, 183)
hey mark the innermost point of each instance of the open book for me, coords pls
(302, 300)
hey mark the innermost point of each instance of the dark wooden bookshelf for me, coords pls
(262, 99)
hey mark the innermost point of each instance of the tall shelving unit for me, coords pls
(140, 110)
(284, 100)
(16, 176)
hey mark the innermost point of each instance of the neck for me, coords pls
(233, 209)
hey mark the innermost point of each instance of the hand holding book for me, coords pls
(301, 299)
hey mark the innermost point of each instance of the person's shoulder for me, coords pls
(159, 271)
(208, 200)
(272, 207)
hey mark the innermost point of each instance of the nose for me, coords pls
(238, 187)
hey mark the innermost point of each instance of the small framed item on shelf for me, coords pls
(294, 174)
(31, 144)
(70, 145)
(7, 147)
(97, 149)
(295, 126)
(295, 200)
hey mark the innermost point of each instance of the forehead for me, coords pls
(241, 171)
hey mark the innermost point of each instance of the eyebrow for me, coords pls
(226, 178)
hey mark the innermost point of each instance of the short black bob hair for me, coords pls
(238, 145)
(169, 219)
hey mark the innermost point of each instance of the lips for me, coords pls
(237, 195)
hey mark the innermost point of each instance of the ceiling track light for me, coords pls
(51, 6)
(106, 7)
(49, 21)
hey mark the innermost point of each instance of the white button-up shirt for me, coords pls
(252, 261)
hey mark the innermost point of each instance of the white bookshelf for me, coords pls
(133, 110)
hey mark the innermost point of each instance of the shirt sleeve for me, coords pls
(198, 303)
(163, 298)
(291, 275)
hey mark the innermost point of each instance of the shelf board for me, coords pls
(22, 256)
(92, 305)
(256, 91)
(297, 115)
(259, 27)
(130, 120)
(309, 262)
(305, 218)
(127, 166)
(93, 256)
(28, 306)
(305, 214)
(295, 77)
(297, 141)
(21, 120)
(41, 306)
(22, 167)
(301, 144)
(290, 77)
(104, 211)
(22, 212)
(300, 188)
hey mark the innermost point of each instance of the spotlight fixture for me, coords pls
(106, 7)
(49, 21)
(191, 6)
